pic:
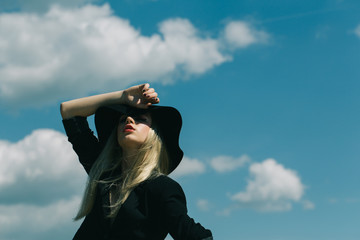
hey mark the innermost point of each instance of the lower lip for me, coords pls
(128, 130)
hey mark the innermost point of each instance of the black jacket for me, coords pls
(153, 209)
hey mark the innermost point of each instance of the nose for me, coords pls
(129, 120)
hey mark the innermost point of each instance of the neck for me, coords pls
(128, 156)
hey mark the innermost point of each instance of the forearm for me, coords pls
(140, 96)
(87, 106)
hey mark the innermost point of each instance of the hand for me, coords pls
(140, 96)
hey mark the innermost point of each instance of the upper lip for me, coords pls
(128, 126)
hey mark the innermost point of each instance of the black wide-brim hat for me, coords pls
(167, 122)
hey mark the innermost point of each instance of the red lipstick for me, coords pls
(128, 128)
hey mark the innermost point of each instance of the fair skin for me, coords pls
(140, 96)
(131, 132)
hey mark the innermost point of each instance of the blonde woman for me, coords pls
(129, 195)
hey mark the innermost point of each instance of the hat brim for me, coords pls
(167, 120)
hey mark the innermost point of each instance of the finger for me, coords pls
(153, 101)
(145, 87)
(150, 95)
(156, 100)
(148, 91)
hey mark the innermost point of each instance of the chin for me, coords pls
(130, 144)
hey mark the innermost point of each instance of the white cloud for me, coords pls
(357, 31)
(40, 183)
(44, 57)
(189, 166)
(44, 155)
(203, 205)
(39, 169)
(67, 53)
(33, 218)
(271, 188)
(181, 40)
(308, 205)
(227, 163)
(241, 34)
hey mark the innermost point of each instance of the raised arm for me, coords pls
(140, 96)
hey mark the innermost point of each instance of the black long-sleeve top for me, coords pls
(153, 209)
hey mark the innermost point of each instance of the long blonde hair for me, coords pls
(151, 161)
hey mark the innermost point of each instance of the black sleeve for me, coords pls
(84, 143)
(174, 210)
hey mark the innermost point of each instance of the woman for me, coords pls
(129, 195)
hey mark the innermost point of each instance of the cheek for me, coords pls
(144, 131)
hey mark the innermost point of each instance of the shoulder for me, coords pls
(164, 186)
(168, 195)
(75, 124)
(163, 181)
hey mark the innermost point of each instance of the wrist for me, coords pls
(121, 97)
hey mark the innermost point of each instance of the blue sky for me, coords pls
(268, 91)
